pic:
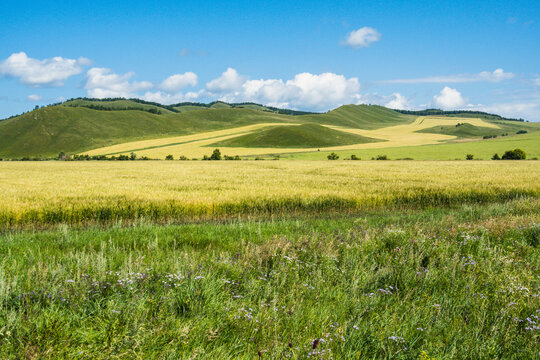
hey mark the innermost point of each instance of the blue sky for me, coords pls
(313, 55)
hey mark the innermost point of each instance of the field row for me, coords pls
(46, 193)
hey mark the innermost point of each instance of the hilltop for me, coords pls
(83, 125)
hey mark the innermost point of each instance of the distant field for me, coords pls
(273, 138)
(45, 193)
(122, 126)
(481, 149)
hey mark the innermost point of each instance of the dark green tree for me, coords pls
(216, 155)
(516, 154)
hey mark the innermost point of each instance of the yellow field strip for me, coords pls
(212, 136)
(56, 191)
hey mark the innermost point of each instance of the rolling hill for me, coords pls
(301, 136)
(106, 125)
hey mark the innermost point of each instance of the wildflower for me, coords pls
(397, 339)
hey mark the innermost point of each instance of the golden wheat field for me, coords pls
(44, 193)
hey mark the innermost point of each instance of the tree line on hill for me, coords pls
(428, 112)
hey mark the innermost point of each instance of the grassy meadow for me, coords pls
(41, 194)
(433, 283)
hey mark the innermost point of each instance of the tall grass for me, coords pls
(48, 193)
(439, 283)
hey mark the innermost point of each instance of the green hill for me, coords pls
(294, 136)
(50, 130)
(367, 117)
(463, 131)
(83, 124)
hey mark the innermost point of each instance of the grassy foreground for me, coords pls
(441, 283)
(43, 194)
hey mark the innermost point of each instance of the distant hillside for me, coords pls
(361, 117)
(464, 131)
(79, 125)
(294, 136)
(458, 113)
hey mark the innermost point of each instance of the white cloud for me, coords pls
(34, 97)
(305, 90)
(47, 72)
(230, 80)
(362, 37)
(537, 82)
(398, 101)
(484, 76)
(102, 83)
(179, 81)
(166, 98)
(449, 98)
(526, 110)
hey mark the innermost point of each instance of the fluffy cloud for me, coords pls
(47, 72)
(167, 98)
(179, 81)
(230, 80)
(362, 37)
(305, 90)
(484, 76)
(495, 76)
(102, 83)
(398, 102)
(526, 110)
(449, 98)
(34, 97)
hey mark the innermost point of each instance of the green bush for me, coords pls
(521, 132)
(381, 157)
(216, 155)
(516, 154)
(469, 157)
(169, 157)
(354, 157)
(496, 157)
(333, 156)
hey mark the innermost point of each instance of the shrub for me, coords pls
(489, 137)
(381, 157)
(354, 157)
(216, 155)
(469, 157)
(333, 156)
(182, 157)
(496, 157)
(132, 156)
(516, 154)
(521, 132)
(169, 157)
